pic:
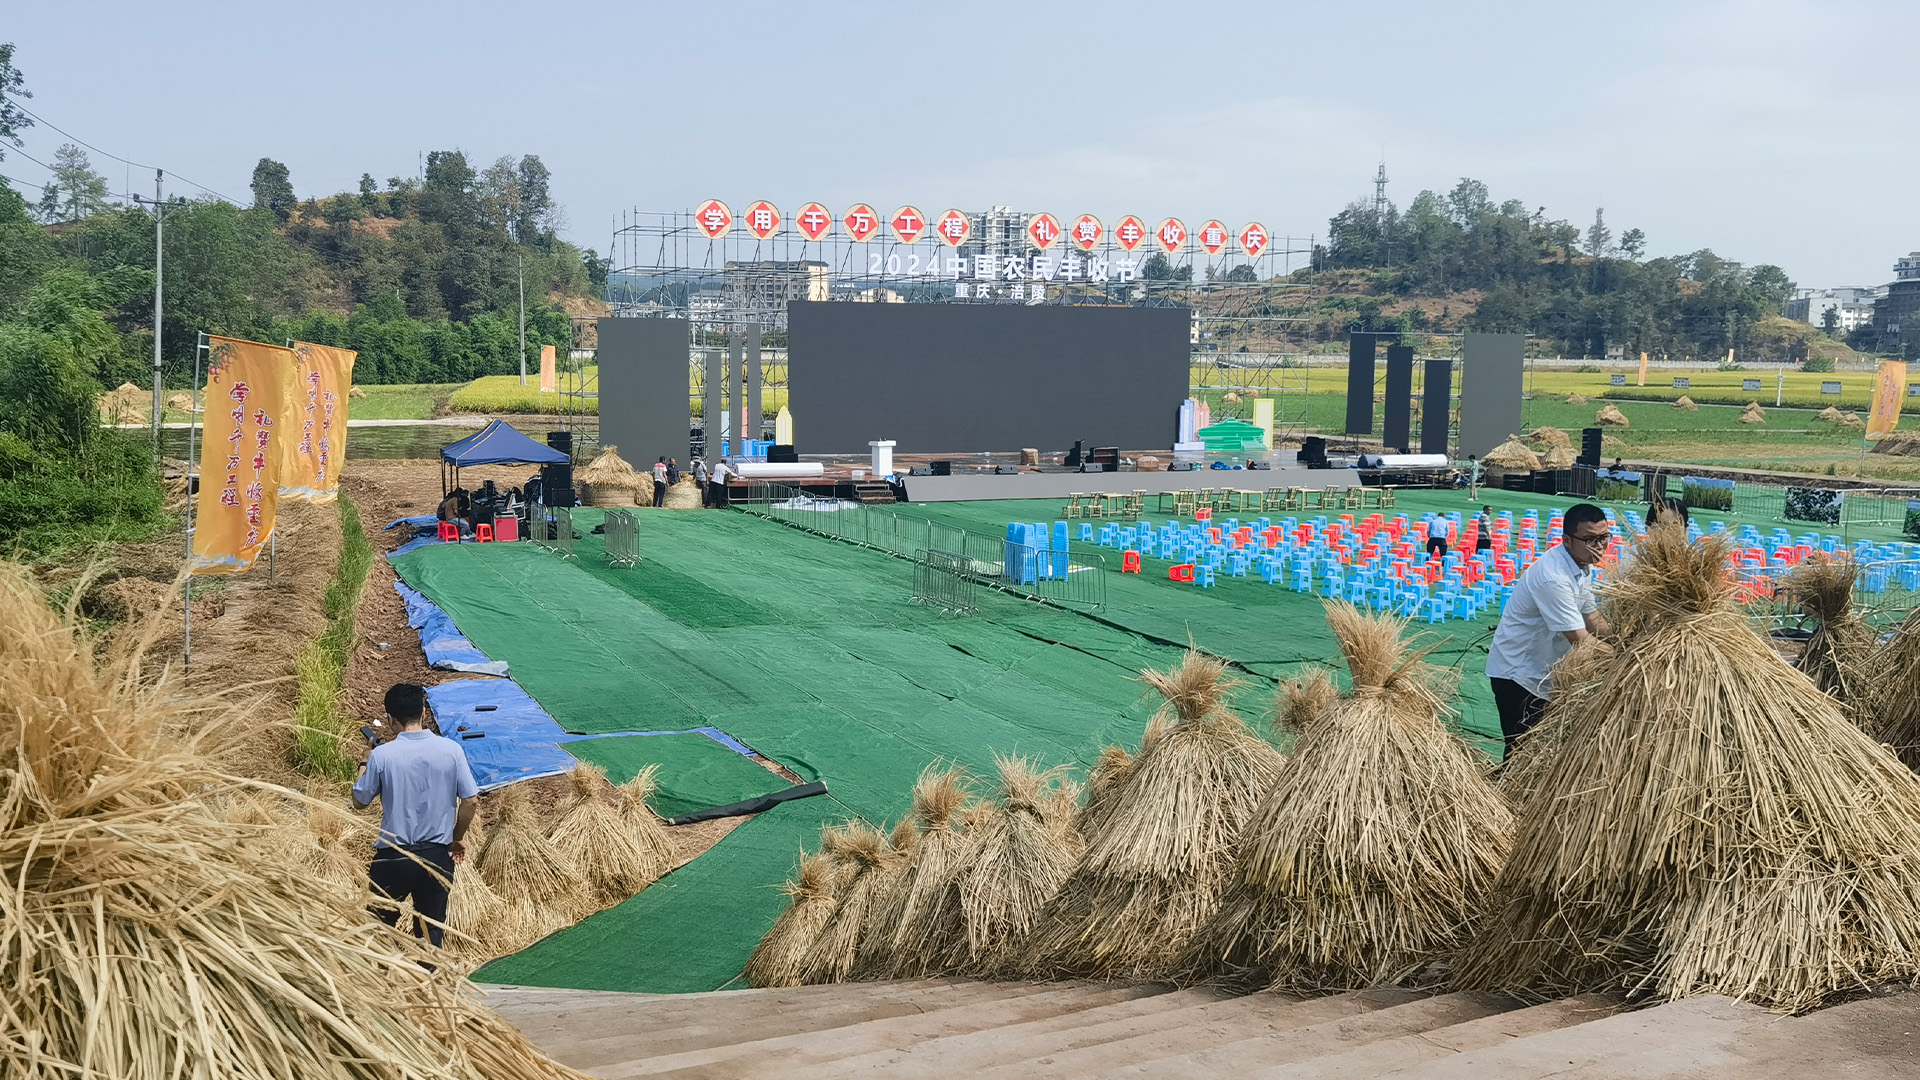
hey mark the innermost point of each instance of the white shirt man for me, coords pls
(718, 485)
(1551, 610)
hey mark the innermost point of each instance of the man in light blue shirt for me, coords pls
(426, 794)
(1552, 609)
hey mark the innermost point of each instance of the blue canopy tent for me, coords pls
(496, 444)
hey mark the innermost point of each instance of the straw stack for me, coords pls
(1708, 821)
(912, 926)
(1369, 859)
(146, 939)
(1752, 414)
(646, 828)
(125, 404)
(539, 891)
(355, 392)
(608, 480)
(1840, 657)
(1019, 853)
(1830, 414)
(1898, 444)
(1610, 416)
(1160, 848)
(1576, 399)
(592, 834)
(1549, 437)
(180, 403)
(684, 495)
(1512, 454)
(1851, 419)
(866, 866)
(1301, 699)
(329, 858)
(1685, 404)
(1558, 457)
(472, 909)
(812, 894)
(1897, 690)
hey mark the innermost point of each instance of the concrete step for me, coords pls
(776, 1056)
(1122, 1043)
(1244, 1056)
(1373, 1059)
(1672, 1033)
(973, 1051)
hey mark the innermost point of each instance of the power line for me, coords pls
(124, 161)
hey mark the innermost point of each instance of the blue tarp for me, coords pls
(499, 444)
(446, 647)
(511, 741)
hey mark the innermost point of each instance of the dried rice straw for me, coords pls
(593, 836)
(812, 894)
(867, 866)
(910, 930)
(1839, 658)
(1022, 851)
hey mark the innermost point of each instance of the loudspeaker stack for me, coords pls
(1590, 447)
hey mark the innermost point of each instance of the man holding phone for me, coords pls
(427, 800)
(1552, 609)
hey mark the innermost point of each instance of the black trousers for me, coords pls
(659, 493)
(397, 877)
(1519, 710)
(719, 494)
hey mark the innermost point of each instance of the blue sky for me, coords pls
(1779, 131)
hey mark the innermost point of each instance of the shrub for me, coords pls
(1820, 364)
(322, 725)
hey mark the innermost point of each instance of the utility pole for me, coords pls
(159, 255)
(521, 258)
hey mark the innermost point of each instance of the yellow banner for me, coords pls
(1889, 392)
(248, 403)
(546, 368)
(315, 448)
(1643, 369)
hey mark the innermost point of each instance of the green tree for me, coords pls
(13, 84)
(273, 189)
(1633, 243)
(26, 250)
(1599, 237)
(534, 224)
(81, 192)
(369, 194)
(1830, 321)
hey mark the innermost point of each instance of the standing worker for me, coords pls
(673, 471)
(1551, 610)
(426, 794)
(1484, 541)
(719, 484)
(700, 481)
(660, 482)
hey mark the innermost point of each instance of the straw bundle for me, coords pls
(520, 863)
(1610, 416)
(912, 925)
(1512, 454)
(812, 894)
(1576, 399)
(866, 866)
(1752, 414)
(1378, 845)
(355, 392)
(1021, 852)
(144, 940)
(1301, 699)
(1897, 666)
(1830, 414)
(1231, 398)
(1685, 404)
(1851, 419)
(1899, 444)
(1839, 658)
(1708, 822)
(684, 495)
(472, 910)
(1549, 436)
(593, 836)
(1558, 457)
(608, 480)
(125, 404)
(1159, 850)
(180, 403)
(645, 827)
(328, 858)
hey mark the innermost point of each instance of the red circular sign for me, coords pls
(713, 218)
(1043, 230)
(1130, 233)
(1254, 239)
(861, 222)
(1086, 232)
(907, 223)
(953, 228)
(1213, 236)
(1171, 235)
(763, 220)
(814, 220)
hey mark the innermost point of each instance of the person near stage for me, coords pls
(718, 483)
(660, 482)
(1436, 541)
(1552, 609)
(427, 799)
(1484, 541)
(700, 478)
(673, 471)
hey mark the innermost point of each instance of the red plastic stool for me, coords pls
(1180, 572)
(449, 531)
(1130, 562)
(1203, 514)
(483, 533)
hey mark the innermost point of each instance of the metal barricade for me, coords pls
(622, 534)
(945, 580)
(563, 531)
(539, 528)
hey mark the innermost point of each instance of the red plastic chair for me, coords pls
(1180, 572)
(450, 531)
(483, 533)
(1130, 562)
(506, 528)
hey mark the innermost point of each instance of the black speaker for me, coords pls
(941, 468)
(1093, 466)
(1516, 481)
(782, 455)
(1182, 466)
(1313, 448)
(556, 483)
(1006, 470)
(1076, 455)
(1590, 447)
(1543, 482)
(920, 470)
(561, 441)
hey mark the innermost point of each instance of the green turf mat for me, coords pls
(696, 772)
(691, 930)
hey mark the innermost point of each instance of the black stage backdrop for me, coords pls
(955, 378)
(643, 389)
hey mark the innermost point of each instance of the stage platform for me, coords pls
(1058, 485)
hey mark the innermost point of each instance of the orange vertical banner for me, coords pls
(316, 447)
(1889, 393)
(546, 368)
(1643, 369)
(249, 402)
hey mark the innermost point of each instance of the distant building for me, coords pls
(997, 234)
(760, 290)
(1852, 307)
(878, 296)
(1895, 314)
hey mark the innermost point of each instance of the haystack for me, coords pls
(1830, 414)
(1851, 419)
(1576, 399)
(914, 924)
(146, 941)
(521, 865)
(1898, 444)
(1301, 699)
(1512, 454)
(1610, 416)
(1752, 414)
(1839, 658)
(1377, 848)
(812, 894)
(646, 828)
(125, 404)
(608, 480)
(1017, 858)
(330, 857)
(180, 403)
(1897, 685)
(867, 866)
(1549, 437)
(593, 836)
(473, 910)
(1231, 398)
(684, 495)
(1159, 850)
(355, 392)
(1558, 457)
(1685, 404)
(1708, 823)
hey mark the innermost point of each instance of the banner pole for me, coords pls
(193, 427)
